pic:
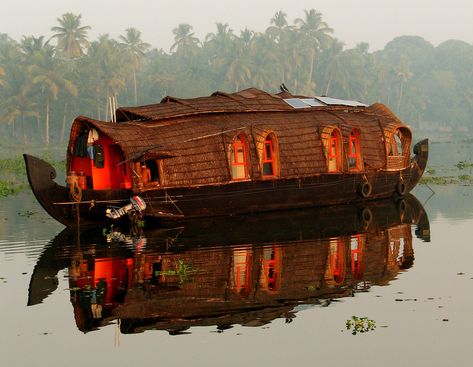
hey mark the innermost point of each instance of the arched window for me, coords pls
(354, 155)
(334, 151)
(269, 157)
(238, 158)
(398, 148)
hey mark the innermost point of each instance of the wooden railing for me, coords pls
(397, 162)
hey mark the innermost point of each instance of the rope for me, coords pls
(75, 194)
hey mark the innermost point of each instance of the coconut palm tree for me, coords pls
(316, 34)
(29, 45)
(45, 72)
(279, 25)
(184, 40)
(109, 68)
(71, 37)
(17, 102)
(136, 50)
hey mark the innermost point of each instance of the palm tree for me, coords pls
(2, 74)
(45, 72)
(331, 66)
(404, 74)
(238, 70)
(266, 65)
(184, 40)
(106, 63)
(18, 101)
(279, 22)
(31, 44)
(71, 37)
(316, 34)
(136, 50)
(220, 51)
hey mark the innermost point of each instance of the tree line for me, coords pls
(46, 82)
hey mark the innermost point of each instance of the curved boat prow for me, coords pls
(419, 162)
(41, 177)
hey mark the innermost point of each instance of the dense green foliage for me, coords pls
(45, 83)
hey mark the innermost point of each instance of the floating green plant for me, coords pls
(437, 180)
(183, 270)
(464, 164)
(360, 325)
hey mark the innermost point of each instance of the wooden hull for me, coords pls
(226, 199)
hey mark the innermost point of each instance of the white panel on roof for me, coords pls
(313, 102)
(341, 102)
(296, 102)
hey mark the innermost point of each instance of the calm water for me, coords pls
(265, 290)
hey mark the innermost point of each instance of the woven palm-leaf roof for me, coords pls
(194, 135)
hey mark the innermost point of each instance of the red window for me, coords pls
(334, 158)
(269, 168)
(239, 159)
(354, 158)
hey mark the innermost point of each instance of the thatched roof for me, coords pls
(194, 134)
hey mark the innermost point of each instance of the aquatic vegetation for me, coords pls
(12, 165)
(360, 325)
(437, 180)
(13, 174)
(464, 165)
(27, 213)
(8, 188)
(183, 270)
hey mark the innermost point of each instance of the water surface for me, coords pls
(274, 290)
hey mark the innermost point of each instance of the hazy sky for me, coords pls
(373, 21)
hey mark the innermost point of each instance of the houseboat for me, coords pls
(226, 154)
(219, 272)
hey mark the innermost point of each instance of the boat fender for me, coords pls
(366, 216)
(401, 188)
(401, 206)
(364, 189)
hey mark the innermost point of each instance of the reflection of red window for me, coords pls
(334, 152)
(337, 260)
(241, 270)
(270, 266)
(354, 152)
(268, 158)
(357, 265)
(239, 159)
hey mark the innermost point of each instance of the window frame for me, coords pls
(239, 141)
(354, 141)
(335, 136)
(270, 141)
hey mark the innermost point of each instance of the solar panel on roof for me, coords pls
(342, 102)
(296, 103)
(313, 102)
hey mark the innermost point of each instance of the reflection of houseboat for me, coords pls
(224, 154)
(172, 279)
